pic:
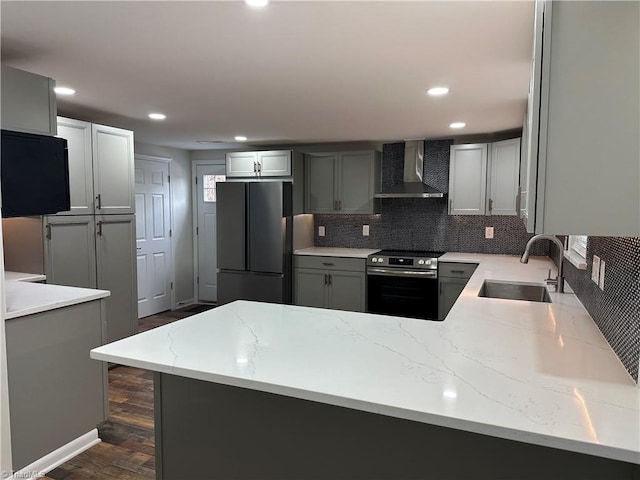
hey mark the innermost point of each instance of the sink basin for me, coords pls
(529, 292)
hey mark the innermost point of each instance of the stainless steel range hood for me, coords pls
(412, 186)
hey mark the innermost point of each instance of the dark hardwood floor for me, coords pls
(127, 448)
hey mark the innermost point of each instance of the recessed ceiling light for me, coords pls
(157, 116)
(257, 3)
(240, 138)
(64, 91)
(457, 125)
(436, 91)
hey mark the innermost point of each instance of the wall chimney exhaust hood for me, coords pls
(412, 186)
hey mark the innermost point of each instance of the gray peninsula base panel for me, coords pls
(206, 430)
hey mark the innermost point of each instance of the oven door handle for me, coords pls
(402, 273)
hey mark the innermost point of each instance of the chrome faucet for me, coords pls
(559, 280)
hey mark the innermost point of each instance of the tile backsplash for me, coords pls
(616, 309)
(423, 223)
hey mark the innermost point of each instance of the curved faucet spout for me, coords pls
(556, 240)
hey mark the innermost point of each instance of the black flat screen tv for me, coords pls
(35, 174)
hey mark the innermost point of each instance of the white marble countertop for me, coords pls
(531, 372)
(337, 252)
(23, 277)
(23, 298)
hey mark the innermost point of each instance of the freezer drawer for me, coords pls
(252, 286)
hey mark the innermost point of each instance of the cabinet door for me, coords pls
(504, 175)
(49, 352)
(274, 164)
(28, 102)
(320, 172)
(449, 291)
(116, 268)
(355, 182)
(468, 179)
(242, 164)
(70, 251)
(347, 291)
(78, 137)
(310, 287)
(113, 170)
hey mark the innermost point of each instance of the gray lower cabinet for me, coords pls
(330, 282)
(96, 252)
(57, 393)
(342, 182)
(452, 278)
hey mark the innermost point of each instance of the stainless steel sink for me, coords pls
(529, 292)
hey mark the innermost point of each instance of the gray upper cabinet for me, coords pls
(78, 136)
(101, 168)
(28, 102)
(582, 125)
(468, 179)
(275, 163)
(113, 170)
(342, 182)
(484, 178)
(504, 177)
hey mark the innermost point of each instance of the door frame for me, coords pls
(172, 253)
(194, 209)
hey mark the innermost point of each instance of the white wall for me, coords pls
(182, 216)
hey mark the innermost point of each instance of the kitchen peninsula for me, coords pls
(499, 389)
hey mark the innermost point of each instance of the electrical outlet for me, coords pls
(601, 282)
(488, 232)
(365, 230)
(595, 269)
(321, 231)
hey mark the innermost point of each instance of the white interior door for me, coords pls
(153, 242)
(207, 177)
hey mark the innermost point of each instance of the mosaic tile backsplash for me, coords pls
(423, 223)
(616, 310)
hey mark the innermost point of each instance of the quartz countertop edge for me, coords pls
(24, 298)
(337, 252)
(524, 371)
(23, 277)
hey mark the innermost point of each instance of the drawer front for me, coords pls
(456, 270)
(330, 263)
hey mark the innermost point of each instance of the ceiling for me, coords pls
(293, 72)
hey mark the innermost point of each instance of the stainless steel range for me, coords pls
(403, 283)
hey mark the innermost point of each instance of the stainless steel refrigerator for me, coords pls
(254, 241)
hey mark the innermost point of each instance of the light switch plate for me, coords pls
(595, 269)
(601, 281)
(365, 230)
(488, 232)
(321, 231)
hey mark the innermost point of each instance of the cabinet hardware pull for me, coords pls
(329, 279)
(99, 229)
(326, 279)
(48, 227)
(328, 264)
(335, 204)
(99, 201)
(259, 168)
(255, 167)
(490, 205)
(457, 271)
(339, 204)
(450, 205)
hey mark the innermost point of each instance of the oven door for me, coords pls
(404, 293)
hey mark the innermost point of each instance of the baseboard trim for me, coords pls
(184, 303)
(43, 465)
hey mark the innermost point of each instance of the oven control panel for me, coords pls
(419, 263)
